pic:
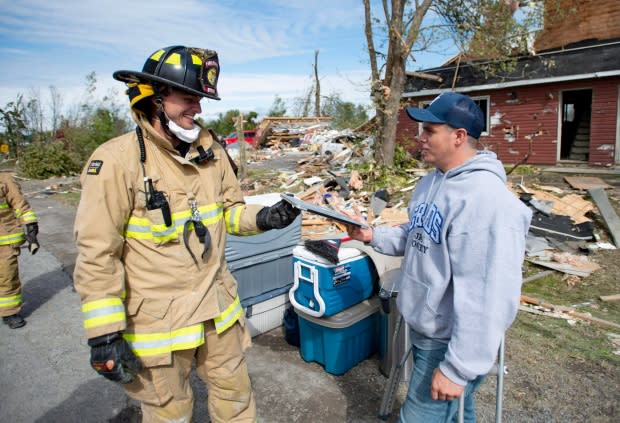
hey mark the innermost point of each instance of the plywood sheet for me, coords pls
(586, 182)
(572, 205)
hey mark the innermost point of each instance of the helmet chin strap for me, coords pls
(161, 114)
(170, 127)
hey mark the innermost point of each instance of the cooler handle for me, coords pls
(314, 279)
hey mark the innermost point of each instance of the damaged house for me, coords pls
(558, 104)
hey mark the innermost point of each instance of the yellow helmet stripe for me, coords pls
(173, 59)
(157, 55)
(196, 60)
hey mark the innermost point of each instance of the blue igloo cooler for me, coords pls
(322, 289)
(343, 340)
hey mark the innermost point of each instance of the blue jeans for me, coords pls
(419, 406)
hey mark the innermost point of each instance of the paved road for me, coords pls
(44, 371)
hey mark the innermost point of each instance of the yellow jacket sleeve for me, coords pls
(103, 211)
(16, 201)
(240, 217)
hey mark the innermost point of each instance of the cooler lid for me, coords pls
(344, 253)
(347, 317)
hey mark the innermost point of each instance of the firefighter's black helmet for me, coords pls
(189, 69)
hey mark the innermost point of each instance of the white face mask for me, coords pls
(185, 135)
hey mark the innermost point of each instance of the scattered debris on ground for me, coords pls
(567, 225)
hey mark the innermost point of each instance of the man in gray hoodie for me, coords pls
(463, 251)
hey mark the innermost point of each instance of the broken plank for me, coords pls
(615, 297)
(582, 270)
(582, 316)
(599, 196)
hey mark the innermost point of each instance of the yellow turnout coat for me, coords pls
(133, 273)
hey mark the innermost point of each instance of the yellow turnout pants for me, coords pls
(165, 393)
(10, 287)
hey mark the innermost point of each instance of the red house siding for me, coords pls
(525, 120)
(528, 122)
(604, 119)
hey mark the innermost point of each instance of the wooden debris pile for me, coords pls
(343, 194)
(566, 229)
(562, 230)
(565, 248)
(281, 132)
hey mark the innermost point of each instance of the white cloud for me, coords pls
(260, 43)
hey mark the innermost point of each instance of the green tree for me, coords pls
(225, 123)
(344, 114)
(97, 126)
(14, 123)
(53, 159)
(278, 107)
(64, 147)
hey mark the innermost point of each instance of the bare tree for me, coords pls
(55, 108)
(317, 86)
(301, 104)
(403, 28)
(33, 113)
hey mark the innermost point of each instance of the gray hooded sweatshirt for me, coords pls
(461, 275)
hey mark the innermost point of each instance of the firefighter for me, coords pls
(15, 213)
(155, 209)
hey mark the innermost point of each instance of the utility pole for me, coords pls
(241, 143)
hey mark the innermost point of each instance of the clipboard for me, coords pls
(321, 211)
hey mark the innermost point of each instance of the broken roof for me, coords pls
(584, 60)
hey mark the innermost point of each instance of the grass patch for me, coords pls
(522, 170)
(262, 174)
(581, 340)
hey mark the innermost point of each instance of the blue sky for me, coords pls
(266, 47)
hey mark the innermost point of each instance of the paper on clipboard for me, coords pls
(322, 211)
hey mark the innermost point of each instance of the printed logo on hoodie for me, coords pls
(431, 222)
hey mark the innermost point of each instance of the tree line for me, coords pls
(45, 140)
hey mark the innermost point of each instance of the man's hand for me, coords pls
(111, 357)
(360, 234)
(32, 230)
(443, 389)
(356, 232)
(277, 216)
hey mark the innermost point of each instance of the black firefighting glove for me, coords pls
(277, 216)
(32, 230)
(112, 358)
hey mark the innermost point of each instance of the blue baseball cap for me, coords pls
(454, 109)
